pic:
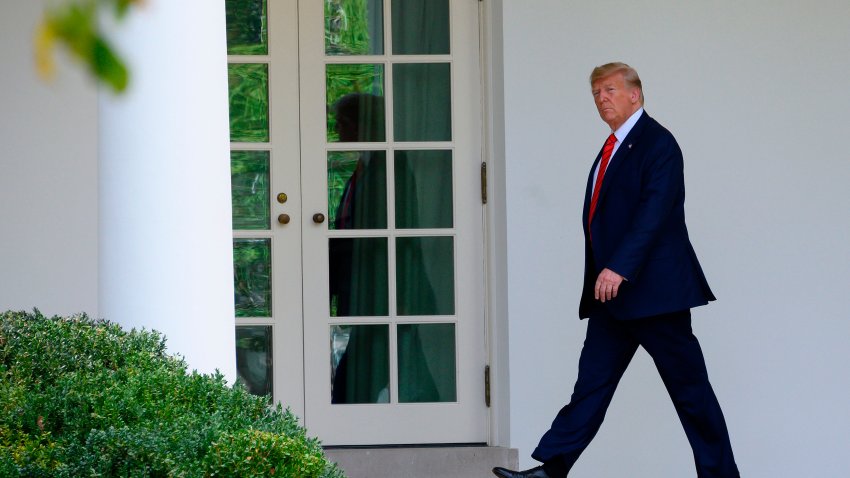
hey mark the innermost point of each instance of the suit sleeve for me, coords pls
(661, 189)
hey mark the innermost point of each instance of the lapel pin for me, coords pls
(630, 145)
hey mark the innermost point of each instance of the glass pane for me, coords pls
(246, 27)
(355, 96)
(354, 27)
(357, 189)
(420, 27)
(249, 185)
(254, 358)
(423, 189)
(252, 265)
(425, 275)
(423, 102)
(358, 276)
(249, 101)
(360, 365)
(426, 363)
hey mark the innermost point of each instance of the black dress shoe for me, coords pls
(532, 473)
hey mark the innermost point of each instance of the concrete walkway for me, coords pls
(430, 462)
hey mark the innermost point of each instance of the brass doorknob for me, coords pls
(283, 219)
(282, 197)
(318, 218)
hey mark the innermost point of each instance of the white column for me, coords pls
(165, 220)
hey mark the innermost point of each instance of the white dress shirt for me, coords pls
(620, 134)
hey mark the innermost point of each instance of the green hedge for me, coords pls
(84, 398)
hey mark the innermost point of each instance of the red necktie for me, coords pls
(345, 212)
(603, 165)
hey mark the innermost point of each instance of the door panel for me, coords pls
(358, 243)
(266, 195)
(393, 279)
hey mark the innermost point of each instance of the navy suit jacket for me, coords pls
(639, 230)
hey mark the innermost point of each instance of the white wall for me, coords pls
(48, 180)
(756, 94)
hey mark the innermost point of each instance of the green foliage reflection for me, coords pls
(252, 277)
(247, 25)
(254, 359)
(249, 101)
(347, 27)
(249, 180)
(351, 78)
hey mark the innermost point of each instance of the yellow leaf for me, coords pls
(45, 40)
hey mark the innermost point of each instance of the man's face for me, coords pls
(614, 100)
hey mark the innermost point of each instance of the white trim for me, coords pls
(495, 227)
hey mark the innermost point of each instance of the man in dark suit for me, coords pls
(641, 279)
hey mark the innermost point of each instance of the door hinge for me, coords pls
(487, 385)
(483, 183)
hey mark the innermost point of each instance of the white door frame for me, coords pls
(495, 230)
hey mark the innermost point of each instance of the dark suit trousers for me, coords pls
(608, 349)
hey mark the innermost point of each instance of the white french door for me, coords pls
(375, 221)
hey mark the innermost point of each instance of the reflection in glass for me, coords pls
(420, 27)
(246, 27)
(249, 102)
(249, 185)
(254, 358)
(426, 363)
(423, 189)
(360, 366)
(422, 105)
(354, 27)
(355, 103)
(252, 261)
(358, 276)
(357, 189)
(425, 275)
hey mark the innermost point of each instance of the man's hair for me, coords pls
(630, 76)
(365, 112)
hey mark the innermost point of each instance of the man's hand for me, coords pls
(607, 285)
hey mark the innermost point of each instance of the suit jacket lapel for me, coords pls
(622, 154)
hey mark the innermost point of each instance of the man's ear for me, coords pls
(635, 95)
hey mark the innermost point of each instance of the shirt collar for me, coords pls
(623, 130)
